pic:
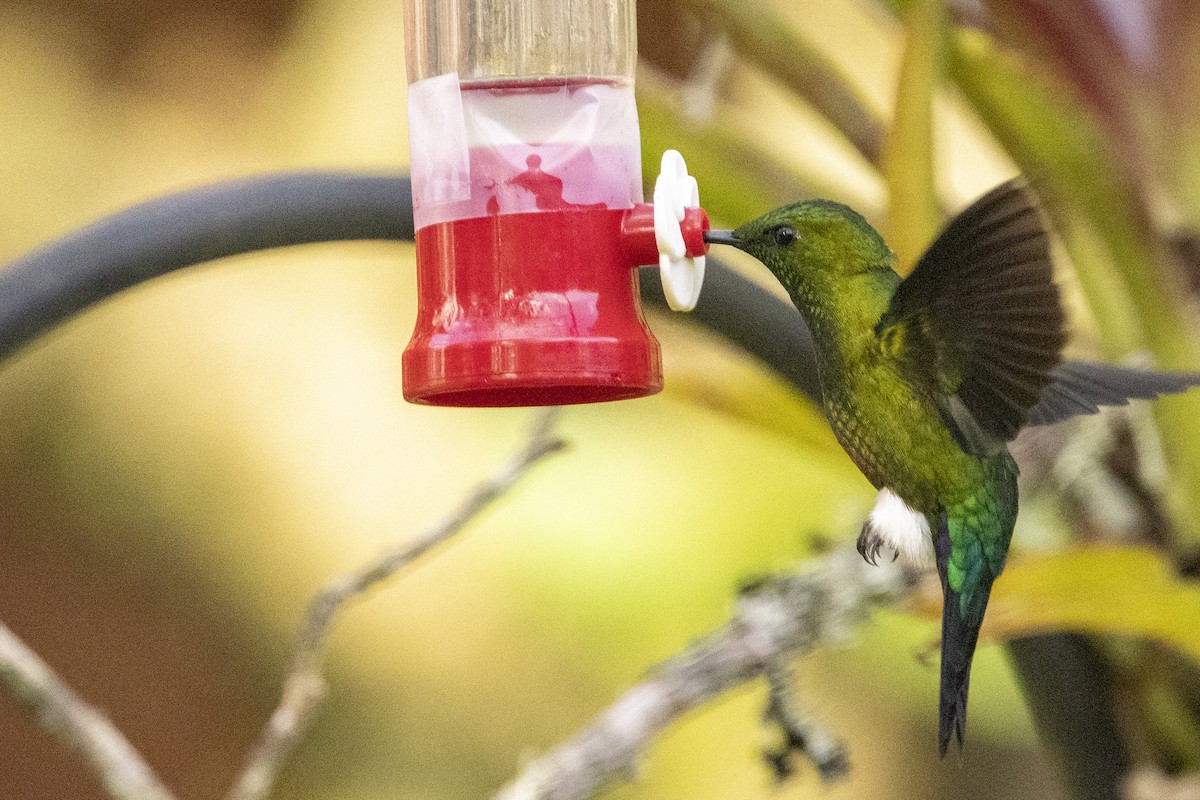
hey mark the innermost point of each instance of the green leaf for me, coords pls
(914, 215)
(1120, 258)
(1131, 591)
(1057, 143)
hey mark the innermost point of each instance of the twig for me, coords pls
(304, 688)
(765, 38)
(700, 91)
(774, 620)
(120, 768)
(800, 731)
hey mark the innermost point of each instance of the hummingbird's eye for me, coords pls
(784, 236)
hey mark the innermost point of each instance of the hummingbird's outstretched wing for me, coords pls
(979, 321)
(1079, 387)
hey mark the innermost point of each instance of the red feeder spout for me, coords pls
(637, 232)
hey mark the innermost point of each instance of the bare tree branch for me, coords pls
(123, 772)
(774, 620)
(304, 688)
(121, 769)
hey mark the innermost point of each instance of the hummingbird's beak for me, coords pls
(721, 237)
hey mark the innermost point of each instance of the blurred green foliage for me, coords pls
(222, 442)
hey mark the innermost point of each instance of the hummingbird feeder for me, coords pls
(527, 199)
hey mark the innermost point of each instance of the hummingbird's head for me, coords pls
(814, 247)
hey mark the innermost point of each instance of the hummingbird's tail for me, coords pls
(959, 638)
(970, 545)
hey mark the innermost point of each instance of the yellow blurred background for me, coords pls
(183, 466)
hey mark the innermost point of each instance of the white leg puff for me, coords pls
(893, 524)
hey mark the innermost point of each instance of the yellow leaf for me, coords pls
(914, 215)
(1122, 590)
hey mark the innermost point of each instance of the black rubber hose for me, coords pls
(66, 276)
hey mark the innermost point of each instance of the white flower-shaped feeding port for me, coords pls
(675, 191)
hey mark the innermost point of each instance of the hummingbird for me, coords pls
(925, 380)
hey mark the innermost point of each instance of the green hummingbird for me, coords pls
(925, 380)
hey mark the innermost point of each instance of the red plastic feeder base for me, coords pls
(529, 310)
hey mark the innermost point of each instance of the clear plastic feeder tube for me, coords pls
(519, 106)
